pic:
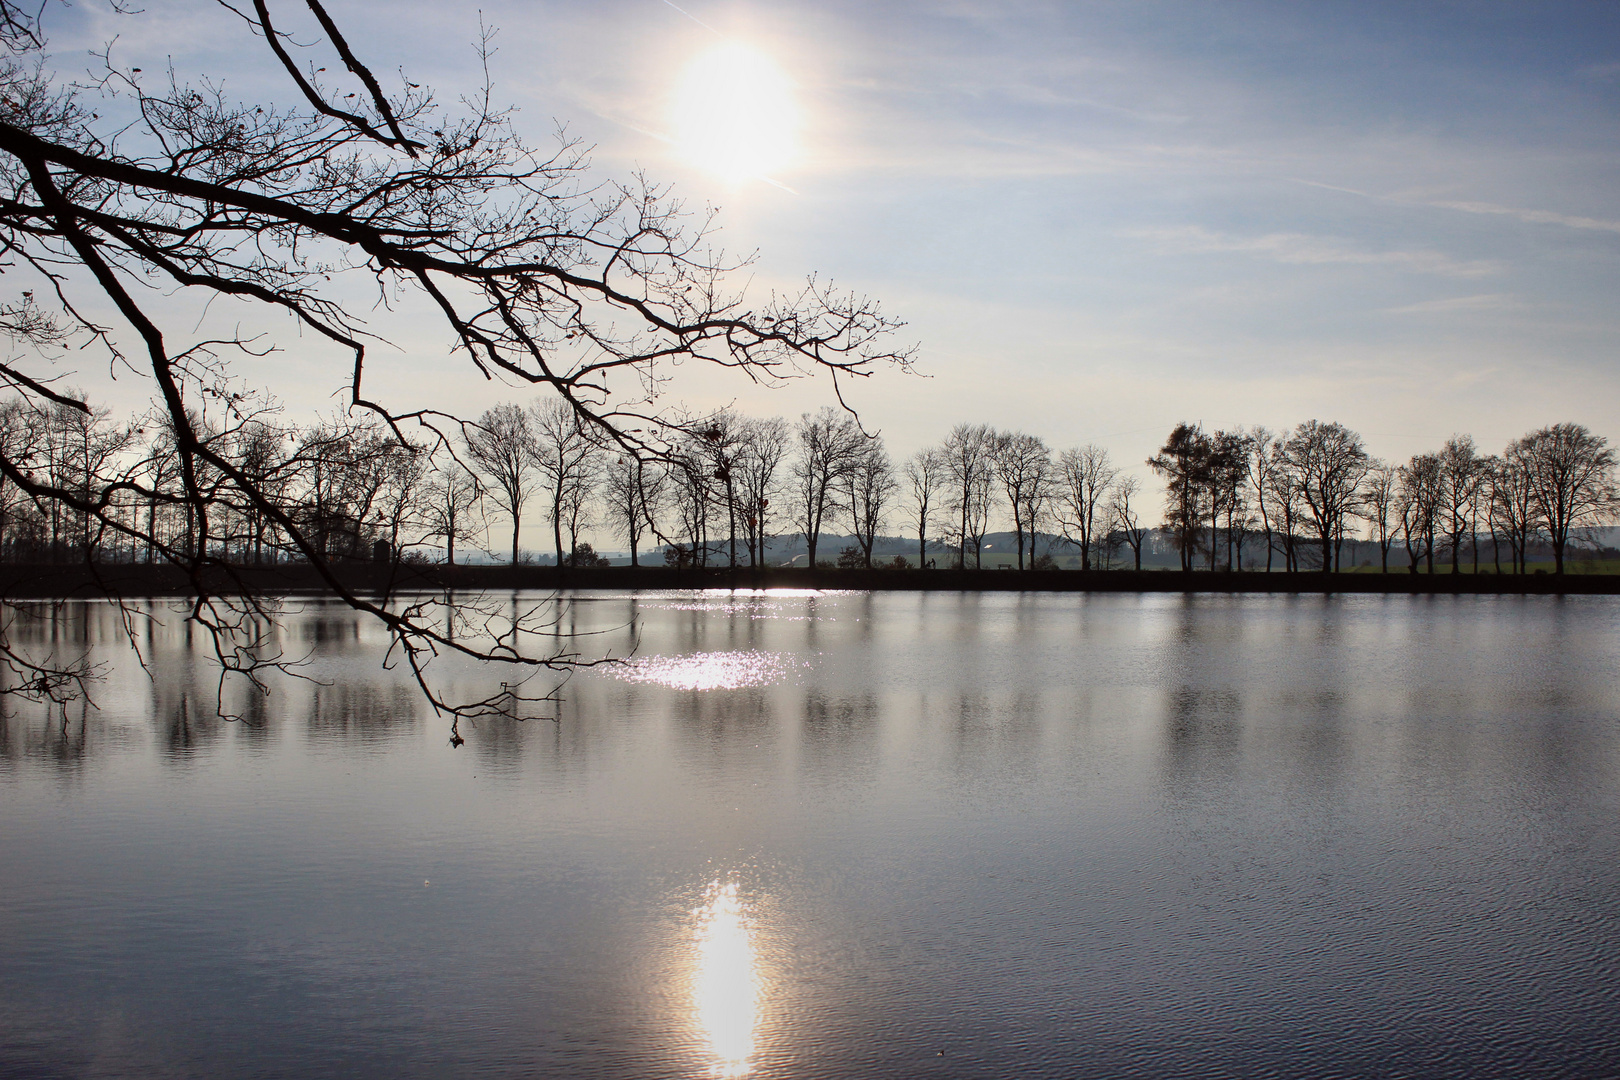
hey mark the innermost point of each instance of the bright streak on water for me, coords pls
(706, 671)
(725, 985)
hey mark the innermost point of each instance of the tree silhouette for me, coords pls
(632, 491)
(1125, 517)
(450, 508)
(1085, 477)
(1378, 508)
(1183, 461)
(1571, 472)
(1227, 474)
(759, 467)
(1513, 503)
(501, 446)
(868, 488)
(831, 445)
(1461, 473)
(968, 453)
(925, 475)
(1023, 464)
(561, 447)
(1331, 462)
(1418, 503)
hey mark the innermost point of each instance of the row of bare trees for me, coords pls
(346, 483)
(357, 488)
(1304, 492)
(727, 485)
(977, 473)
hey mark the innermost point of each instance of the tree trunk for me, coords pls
(731, 522)
(556, 525)
(812, 538)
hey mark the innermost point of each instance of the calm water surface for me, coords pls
(840, 834)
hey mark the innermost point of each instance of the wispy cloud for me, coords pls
(1468, 206)
(1480, 302)
(1301, 248)
(1539, 217)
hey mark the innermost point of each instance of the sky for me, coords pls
(1095, 219)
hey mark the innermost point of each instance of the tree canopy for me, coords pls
(125, 188)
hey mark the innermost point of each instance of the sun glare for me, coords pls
(734, 114)
(706, 671)
(725, 985)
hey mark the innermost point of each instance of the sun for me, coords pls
(735, 115)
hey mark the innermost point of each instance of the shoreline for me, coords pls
(81, 581)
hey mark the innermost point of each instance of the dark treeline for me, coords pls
(348, 483)
(1303, 493)
(729, 484)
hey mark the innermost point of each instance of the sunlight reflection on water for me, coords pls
(707, 671)
(752, 609)
(725, 987)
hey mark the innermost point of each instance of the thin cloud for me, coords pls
(1301, 248)
(1336, 187)
(1538, 217)
(1480, 302)
(695, 19)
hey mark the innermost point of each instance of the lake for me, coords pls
(833, 834)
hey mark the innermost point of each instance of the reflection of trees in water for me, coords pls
(968, 619)
(1203, 730)
(1312, 732)
(184, 697)
(566, 745)
(630, 624)
(985, 730)
(47, 647)
(500, 743)
(730, 624)
(331, 633)
(190, 726)
(252, 710)
(189, 703)
(362, 712)
(743, 627)
(184, 708)
(39, 734)
(840, 734)
(717, 723)
(864, 626)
